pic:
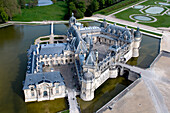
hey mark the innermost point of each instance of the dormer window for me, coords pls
(32, 89)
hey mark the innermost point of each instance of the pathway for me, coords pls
(148, 76)
(73, 105)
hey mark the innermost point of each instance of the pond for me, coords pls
(44, 2)
(166, 4)
(14, 42)
(142, 18)
(154, 10)
(168, 13)
(138, 6)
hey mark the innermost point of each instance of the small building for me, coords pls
(44, 86)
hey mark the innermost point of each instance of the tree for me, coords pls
(3, 15)
(81, 5)
(11, 7)
(101, 3)
(54, 1)
(94, 5)
(21, 3)
(32, 3)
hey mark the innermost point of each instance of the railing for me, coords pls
(119, 96)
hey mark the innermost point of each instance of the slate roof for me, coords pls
(49, 77)
(47, 49)
(91, 58)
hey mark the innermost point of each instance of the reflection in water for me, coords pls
(103, 94)
(14, 42)
(147, 53)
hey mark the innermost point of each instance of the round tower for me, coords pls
(136, 44)
(113, 71)
(87, 86)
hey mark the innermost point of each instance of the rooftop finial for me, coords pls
(72, 14)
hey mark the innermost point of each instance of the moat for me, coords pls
(15, 40)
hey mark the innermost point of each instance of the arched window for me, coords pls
(45, 93)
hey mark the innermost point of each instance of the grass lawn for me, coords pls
(162, 21)
(52, 106)
(116, 7)
(55, 11)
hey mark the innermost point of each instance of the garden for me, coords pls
(152, 12)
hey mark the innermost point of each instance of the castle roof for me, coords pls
(38, 78)
(52, 49)
(91, 59)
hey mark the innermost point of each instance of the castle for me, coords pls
(94, 51)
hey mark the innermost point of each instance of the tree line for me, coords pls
(8, 8)
(82, 8)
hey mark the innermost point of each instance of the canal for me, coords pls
(14, 42)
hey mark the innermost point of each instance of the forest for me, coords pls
(80, 8)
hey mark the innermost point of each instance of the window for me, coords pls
(70, 60)
(45, 93)
(32, 94)
(56, 86)
(32, 89)
(57, 91)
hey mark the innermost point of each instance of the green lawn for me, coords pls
(56, 11)
(117, 7)
(162, 21)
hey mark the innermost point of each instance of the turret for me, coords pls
(87, 86)
(137, 40)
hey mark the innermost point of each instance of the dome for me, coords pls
(88, 76)
(137, 33)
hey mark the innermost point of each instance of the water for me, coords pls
(168, 13)
(154, 10)
(14, 42)
(138, 6)
(166, 4)
(44, 2)
(103, 94)
(150, 47)
(143, 18)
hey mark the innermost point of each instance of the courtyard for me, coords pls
(68, 73)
